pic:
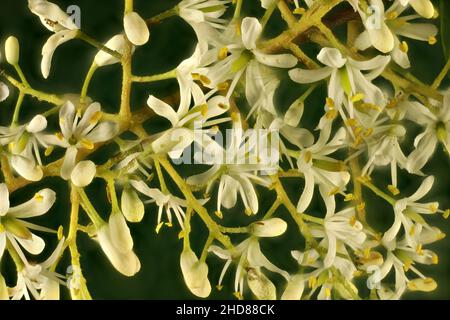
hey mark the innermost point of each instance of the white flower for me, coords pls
(186, 124)
(235, 57)
(406, 211)
(400, 27)
(39, 279)
(384, 149)
(250, 262)
(236, 167)
(331, 176)
(195, 274)
(437, 129)
(24, 142)
(167, 202)
(80, 132)
(136, 28)
(57, 21)
(377, 32)
(12, 226)
(116, 242)
(346, 78)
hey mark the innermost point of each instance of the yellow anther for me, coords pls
(238, 295)
(432, 40)
(349, 197)
(87, 144)
(204, 109)
(352, 122)
(59, 135)
(2, 228)
(330, 102)
(367, 253)
(223, 86)
(49, 151)
(223, 53)
(331, 114)
(352, 221)
(159, 226)
(248, 211)
(219, 214)
(181, 234)
(407, 265)
(327, 292)
(357, 97)
(404, 47)
(435, 259)
(393, 189)
(368, 132)
(392, 15)
(95, 117)
(60, 233)
(419, 249)
(38, 197)
(358, 141)
(334, 191)
(308, 156)
(235, 117)
(312, 281)
(219, 287)
(371, 106)
(299, 11)
(169, 224)
(446, 214)
(434, 207)
(357, 273)
(358, 130)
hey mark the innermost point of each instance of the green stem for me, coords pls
(163, 15)
(89, 208)
(376, 190)
(157, 77)
(15, 119)
(100, 46)
(441, 76)
(87, 81)
(21, 75)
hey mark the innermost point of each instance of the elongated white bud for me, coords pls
(195, 274)
(12, 50)
(268, 228)
(136, 29)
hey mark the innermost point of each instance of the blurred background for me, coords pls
(171, 42)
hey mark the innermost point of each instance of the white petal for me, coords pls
(120, 233)
(424, 188)
(331, 57)
(66, 119)
(26, 168)
(4, 199)
(35, 245)
(294, 289)
(307, 194)
(163, 109)
(273, 227)
(39, 205)
(83, 173)
(103, 132)
(382, 38)
(331, 253)
(136, 29)
(50, 46)
(195, 274)
(69, 162)
(276, 60)
(310, 76)
(4, 91)
(49, 11)
(423, 7)
(251, 30)
(37, 124)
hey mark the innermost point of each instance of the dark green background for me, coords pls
(171, 42)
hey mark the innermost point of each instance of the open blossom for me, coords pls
(57, 21)
(24, 142)
(346, 78)
(38, 280)
(396, 27)
(203, 11)
(17, 231)
(80, 131)
(437, 129)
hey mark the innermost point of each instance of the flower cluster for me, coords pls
(229, 83)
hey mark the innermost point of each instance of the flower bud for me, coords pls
(132, 207)
(4, 92)
(268, 228)
(136, 29)
(83, 174)
(195, 274)
(12, 50)
(116, 43)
